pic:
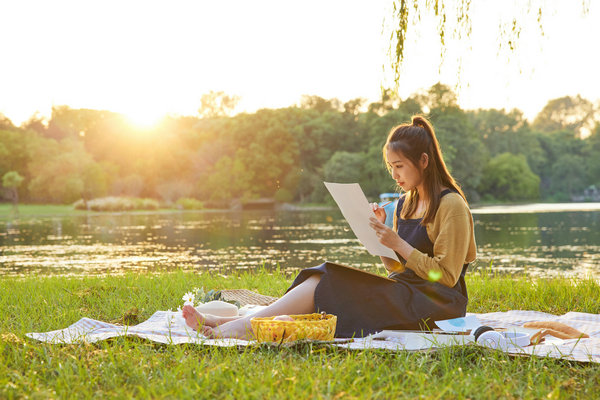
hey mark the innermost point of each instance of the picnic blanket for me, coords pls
(169, 327)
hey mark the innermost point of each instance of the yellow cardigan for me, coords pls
(453, 238)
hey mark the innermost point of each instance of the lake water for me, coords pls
(540, 240)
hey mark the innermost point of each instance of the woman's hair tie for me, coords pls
(420, 122)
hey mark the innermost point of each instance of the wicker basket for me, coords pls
(304, 326)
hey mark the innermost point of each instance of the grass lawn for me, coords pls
(45, 210)
(129, 367)
(6, 210)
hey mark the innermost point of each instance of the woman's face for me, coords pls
(406, 174)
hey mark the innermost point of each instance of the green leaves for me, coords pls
(12, 179)
(286, 153)
(508, 177)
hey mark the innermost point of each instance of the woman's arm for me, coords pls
(392, 265)
(386, 235)
(390, 239)
(453, 244)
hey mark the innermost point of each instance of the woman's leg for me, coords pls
(299, 300)
(194, 319)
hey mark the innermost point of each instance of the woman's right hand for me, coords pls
(379, 212)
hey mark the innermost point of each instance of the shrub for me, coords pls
(118, 204)
(508, 177)
(188, 203)
(146, 204)
(283, 195)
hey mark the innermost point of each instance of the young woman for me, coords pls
(433, 237)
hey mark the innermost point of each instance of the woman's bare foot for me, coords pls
(194, 319)
(237, 329)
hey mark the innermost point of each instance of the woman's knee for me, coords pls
(312, 281)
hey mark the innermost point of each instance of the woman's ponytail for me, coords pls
(420, 121)
(413, 140)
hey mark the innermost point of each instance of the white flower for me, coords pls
(189, 298)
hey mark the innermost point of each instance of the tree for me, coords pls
(568, 177)
(252, 155)
(556, 147)
(453, 18)
(13, 145)
(508, 132)
(353, 106)
(224, 182)
(508, 177)
(592, 153)
(389, 101)
(439, 97)
(269, 152)
(318, 134)
(573, 114)
(320, 104)
(6, 123)
(36, 124)
(61, 171)
(131, 185)
(463, 150)
(376, 178)
(309, 186)
(95, 181)
(344, 167)
(171, 191)
(217, 104)
(12, 180)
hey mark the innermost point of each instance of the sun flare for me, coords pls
(143, 118)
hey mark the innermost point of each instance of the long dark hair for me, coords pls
(412, 140)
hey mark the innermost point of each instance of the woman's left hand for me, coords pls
(387, 236)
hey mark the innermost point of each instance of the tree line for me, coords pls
(286, 153)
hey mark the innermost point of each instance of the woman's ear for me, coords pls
(424, 161)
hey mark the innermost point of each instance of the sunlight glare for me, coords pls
(143, 118)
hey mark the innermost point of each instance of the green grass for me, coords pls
(44, 210)
(129, 367)
(41, 210)
(6, 209)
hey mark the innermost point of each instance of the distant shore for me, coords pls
(46, 210)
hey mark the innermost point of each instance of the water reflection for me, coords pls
(553, 243)
(565, 243)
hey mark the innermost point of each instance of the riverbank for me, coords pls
(49, 210)
(38, 210)
(127, 367)
(58, 210)
(52, 210)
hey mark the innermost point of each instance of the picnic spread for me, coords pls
(498, 330)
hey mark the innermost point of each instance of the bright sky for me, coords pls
(147, 58)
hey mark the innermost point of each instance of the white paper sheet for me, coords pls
(463, 324)
(356, 209)
(422, 340)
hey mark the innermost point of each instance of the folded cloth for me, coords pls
(169, 327)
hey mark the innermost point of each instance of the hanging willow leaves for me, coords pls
(454, 23)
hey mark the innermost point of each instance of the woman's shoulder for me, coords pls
(453, 204)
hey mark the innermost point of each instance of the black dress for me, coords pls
(365, 303)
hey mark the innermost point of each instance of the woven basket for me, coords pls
(304, 326)
(245, 297)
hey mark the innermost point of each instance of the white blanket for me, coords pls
(169, 327)
(163, 326)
